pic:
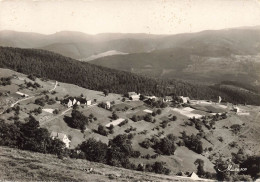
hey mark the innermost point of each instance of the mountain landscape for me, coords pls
(210, 56)
(82, 107)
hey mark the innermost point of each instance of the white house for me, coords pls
(185, 99)
(151, 97)
(194, 176)
(74, 101)
(167, 99)
(62, 137)
(130, 94)
(135, 97)
(108, 105)
(69, 104)
(78, 103)
(236, 109)
(88, 102)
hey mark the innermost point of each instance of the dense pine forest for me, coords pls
(54, 66)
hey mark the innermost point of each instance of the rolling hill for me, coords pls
(54, 66)
(79, 45)
(243, 40)
(209, 56)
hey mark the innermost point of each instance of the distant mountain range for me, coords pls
(211, 56)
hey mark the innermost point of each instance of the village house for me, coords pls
(236, 109)
(130, 94)
(107, 105)
(151, 97)
(167, 99)
(74, 101)
(88, 102)
(69, 104)
(62, 137)
(133, 96)
(185, 99)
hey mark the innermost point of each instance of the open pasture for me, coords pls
(187, 111)
(121, 106)
(135, 103)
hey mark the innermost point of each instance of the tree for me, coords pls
(174, 118)
(106, 92)
(239, 157)
(159, 111)
(221, 169)
(114, 116)
(158, 167)
(32, 77)
(94, 150)
(142, 97)
(235, 128)
(102, 130)
(78, 120)
(200, 167)
(56, 146)
(134, 118)
(120, 149)
(165, 146)
(56, 111)
(253, 166)
(146, 143)
(148, 118)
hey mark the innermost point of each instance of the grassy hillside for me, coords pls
(53, 66)
(214, 133)
(17, 165)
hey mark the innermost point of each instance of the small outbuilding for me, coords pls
(194, 176)
(185, 99)
(115, 122)
(167, 99)
(107, 105)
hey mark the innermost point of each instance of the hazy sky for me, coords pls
(127, 16)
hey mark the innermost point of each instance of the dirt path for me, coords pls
(56, 83)
(62, 113)
(12, 105)
(54, 117)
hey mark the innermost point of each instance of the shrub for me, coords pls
(102, 131)
(146, 143)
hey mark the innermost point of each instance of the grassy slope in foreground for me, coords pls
(23, 166)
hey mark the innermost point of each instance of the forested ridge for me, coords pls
(54, 66)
